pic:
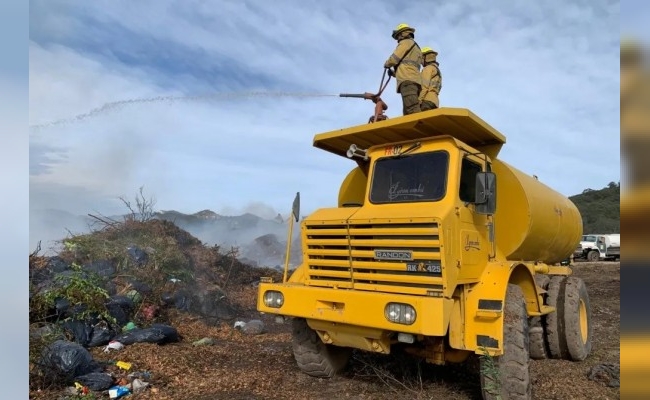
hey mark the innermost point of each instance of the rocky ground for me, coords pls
(253, 365)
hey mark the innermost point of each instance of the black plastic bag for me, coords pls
(170, 333)
(101, 335)
(102, 268)
(157, 333)
(120, 308)
(80, 331)
(64, 361)
(137, 255)
(97, 381)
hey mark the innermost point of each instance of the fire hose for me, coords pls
(380, 105)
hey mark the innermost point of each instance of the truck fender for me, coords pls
(298, 275)
(476, 322)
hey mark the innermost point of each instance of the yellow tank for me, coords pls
(533, 222)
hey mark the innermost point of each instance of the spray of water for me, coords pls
(116, 105)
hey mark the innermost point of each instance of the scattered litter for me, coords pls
(239, 324)
(124, 365)
(142, 375)
(206, 341)
(79, 388)
(129, 327)
(118, 391)
(113, 344)
(134, 295)
(174, 280)
(139, 385)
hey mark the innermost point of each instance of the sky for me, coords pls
(546, 74)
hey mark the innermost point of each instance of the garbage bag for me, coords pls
(103, 268)
(157, 333)
(97, 381)
(63, 361)
(80, 331)
(120, 308)
(101, 334)
(137, 255)
(140, 336)
(170, 333)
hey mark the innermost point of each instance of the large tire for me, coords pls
(512, 369)
(577, 319)
(537, 338)
(554, 322)
(314, 357)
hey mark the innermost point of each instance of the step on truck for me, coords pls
(439, 246)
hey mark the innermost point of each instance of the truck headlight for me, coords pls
(400, 313)
(273, 298)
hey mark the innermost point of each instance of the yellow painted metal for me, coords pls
(288, 251)
(353, 188)
(359, 337)
(533, 222)
(474, 322)
(460, 123)
(358, 308)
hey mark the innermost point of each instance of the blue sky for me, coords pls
(546, 74)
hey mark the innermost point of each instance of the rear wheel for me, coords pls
(314, 357)
(568, 329)
(577, 319)
(508, 376)
(538, 345)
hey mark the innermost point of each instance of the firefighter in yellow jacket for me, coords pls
(431, 80)
(406, 61)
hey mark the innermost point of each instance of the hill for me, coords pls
(600, 209)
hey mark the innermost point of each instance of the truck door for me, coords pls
(602, 246)
(474, 245)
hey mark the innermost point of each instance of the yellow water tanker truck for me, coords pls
(438, 245)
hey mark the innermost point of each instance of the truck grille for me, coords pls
(343, 256)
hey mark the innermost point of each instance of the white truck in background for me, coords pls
(596, 247)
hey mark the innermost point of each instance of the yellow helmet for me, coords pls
(402, 28)
(428, 50)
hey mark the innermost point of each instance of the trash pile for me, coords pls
(73, 365)
(116, 287)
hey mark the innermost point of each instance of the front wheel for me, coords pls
(508, 376)
(593, 256)
(314, 357)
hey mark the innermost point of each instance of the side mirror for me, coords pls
(486, 193)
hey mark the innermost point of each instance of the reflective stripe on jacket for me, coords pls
(409, 68)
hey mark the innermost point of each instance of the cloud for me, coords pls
(182, 119)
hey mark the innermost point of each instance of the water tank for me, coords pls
(532, 221)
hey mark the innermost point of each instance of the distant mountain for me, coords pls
(600, 209)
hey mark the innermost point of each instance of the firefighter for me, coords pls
(431, 80)
(406, 61)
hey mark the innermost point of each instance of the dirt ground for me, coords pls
(262, 367)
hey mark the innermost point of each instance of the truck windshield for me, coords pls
(412, 178)
(589, 238)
